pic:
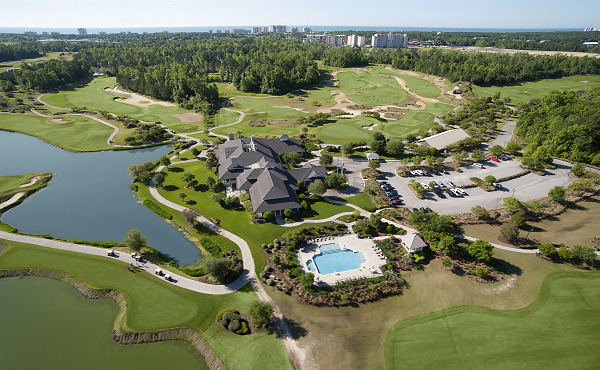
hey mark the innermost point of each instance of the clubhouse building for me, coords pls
(252, 165)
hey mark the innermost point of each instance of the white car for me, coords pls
(425, 186)
(450, 183)
(478, 165)
(456, 192)
(461, 191)
(441, 184)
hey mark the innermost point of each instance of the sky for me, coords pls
(506, 14)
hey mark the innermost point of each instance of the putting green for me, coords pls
(370, 89)
(345, 130)
(524, 92)
(557, 331)
(79, 134)
(93, 96)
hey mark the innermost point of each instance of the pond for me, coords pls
(89, 196)
(46, 324)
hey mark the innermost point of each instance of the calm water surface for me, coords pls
(89, 196)
(46, 324)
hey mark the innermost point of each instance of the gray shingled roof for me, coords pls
(309, 172)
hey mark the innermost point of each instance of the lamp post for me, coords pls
(513, 194)
(530, 230)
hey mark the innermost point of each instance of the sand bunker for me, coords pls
(188, 117)
(360, 93)
(370, 127)
(285, 106)
(59, 120)
(135, 99)
(33, 180)
(374, 85)
(585, 81)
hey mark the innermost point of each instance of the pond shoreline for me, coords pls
(180, 333)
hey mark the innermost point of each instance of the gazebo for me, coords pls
(372, 156)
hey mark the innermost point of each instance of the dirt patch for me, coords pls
(135, 99)
(360, 93)
(188, 117)
(59, 120)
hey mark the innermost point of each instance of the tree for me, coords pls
(288, 213)
(535, 205)
(137, 170)
(260, 313)
(378, 136)
(416, 161)
(477, 155)
(447, 262)
(195, 151)
(189, 215)
(268, 215)
(411, 138)
(165, 161)
(375, 220)
(348, 149)
(459, 156)
(395, 147)
(519, 219)
(481, 250)
(134, 240)
(513, 147)
(326, 159)
(378, 146)
(496, 150)
(490, 179)
(557, 193)
(187, 177)
(585, 254)
(335, 180)
(374, 164)
(317, 187)
(482, 272)
(512, 204)
(480, 212)
(217, 267)
(430, 160)
(160, 178)
(418, 187)
(447, 245)
(565, 253)
(509, 231)
(292, 159)
(578, 169)
(548, 250)
(211, 160)
(307, 280)
(210, 182)
(219, 197)
(182, 196)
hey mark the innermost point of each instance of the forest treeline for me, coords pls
(26, 50)
(564, 124)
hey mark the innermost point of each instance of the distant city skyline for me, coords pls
(509, 14)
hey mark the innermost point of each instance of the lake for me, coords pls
(89, 196)
(46, 324)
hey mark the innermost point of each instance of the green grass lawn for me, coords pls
(79, 134)
(524, 92)
(52, 55)
(344, 130)
(225, 117)
(9, 185)
(557, 331)
(155, 304)
(414, 121)
(93, 96)
(370, 89)
(419, 86)
(363, 200)
(236, 221)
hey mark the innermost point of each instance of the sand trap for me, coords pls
(13, 199)
(585, 81)
(374, 85)
(284, 106)
(59, 120)
(33, 180)
(135, 99)
(188, 117)
(360, 93)
(370, 127)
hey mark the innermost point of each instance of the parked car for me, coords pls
(391, 193)
(428, 210)
(504, 157)
(495, 159)
(450, 192)
(426, 173)
(478, 165)
(441, 184)
(415, 209)
(450, 183)
(380, 177)
(457, 192)
(498, 186)
(425, 186)
(393, 197)
(396, 201)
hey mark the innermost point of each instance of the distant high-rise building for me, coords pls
(101, 33)
(592, 29)
(294, 29)
(209, 31)
(82, 31)
(239, 31)
(218, 31)
(55, 34)
(390, 40)
(333, 40)
(281, 29)
(30, 33)
(354, 40)
(307, 30)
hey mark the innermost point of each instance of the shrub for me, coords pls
(156, 209)
(220, 314)
(194, 272)
(262, 274)
(243, 328)
(519, 219)
(548, 250)
(268, 215)
(234, 325)
(318, 230)
(481, 272)
(230, 315)
(270, 282)
(212, 247)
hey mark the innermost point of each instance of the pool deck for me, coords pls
(350, 241)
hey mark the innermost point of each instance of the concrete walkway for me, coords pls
(516, 250)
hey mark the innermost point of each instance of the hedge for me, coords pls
(194, 272)
(212, 247)
(156, 209)
(243, 329)
(220, 314)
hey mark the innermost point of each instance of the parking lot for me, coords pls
(526, 188)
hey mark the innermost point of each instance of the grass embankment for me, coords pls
(354, 338)
(363, 200)
(237, 220)
(576, 225)
(370, 88)
(524, 92)
(153, 304)
(417, 85)
(93, 96)
(78, 134)
(52, 55)
(10, 185)
(558, 330)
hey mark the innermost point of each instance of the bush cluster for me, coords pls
(156, 209)
(212, 247)
(230, 320)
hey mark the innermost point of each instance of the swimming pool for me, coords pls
(334, 259)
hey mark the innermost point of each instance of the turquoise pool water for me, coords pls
(334, 259)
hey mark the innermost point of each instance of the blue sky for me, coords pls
(394, 13)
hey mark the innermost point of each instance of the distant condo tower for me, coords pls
(281, 29)
(592, 29)
(82, 31)
(307, 30)
(390, 40)
(294, 29)
(354, 40)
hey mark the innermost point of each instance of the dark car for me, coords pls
(415, 209)
(396, 201)
(450, 193)
(394, 197)
(428, 210)
(380, 177)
